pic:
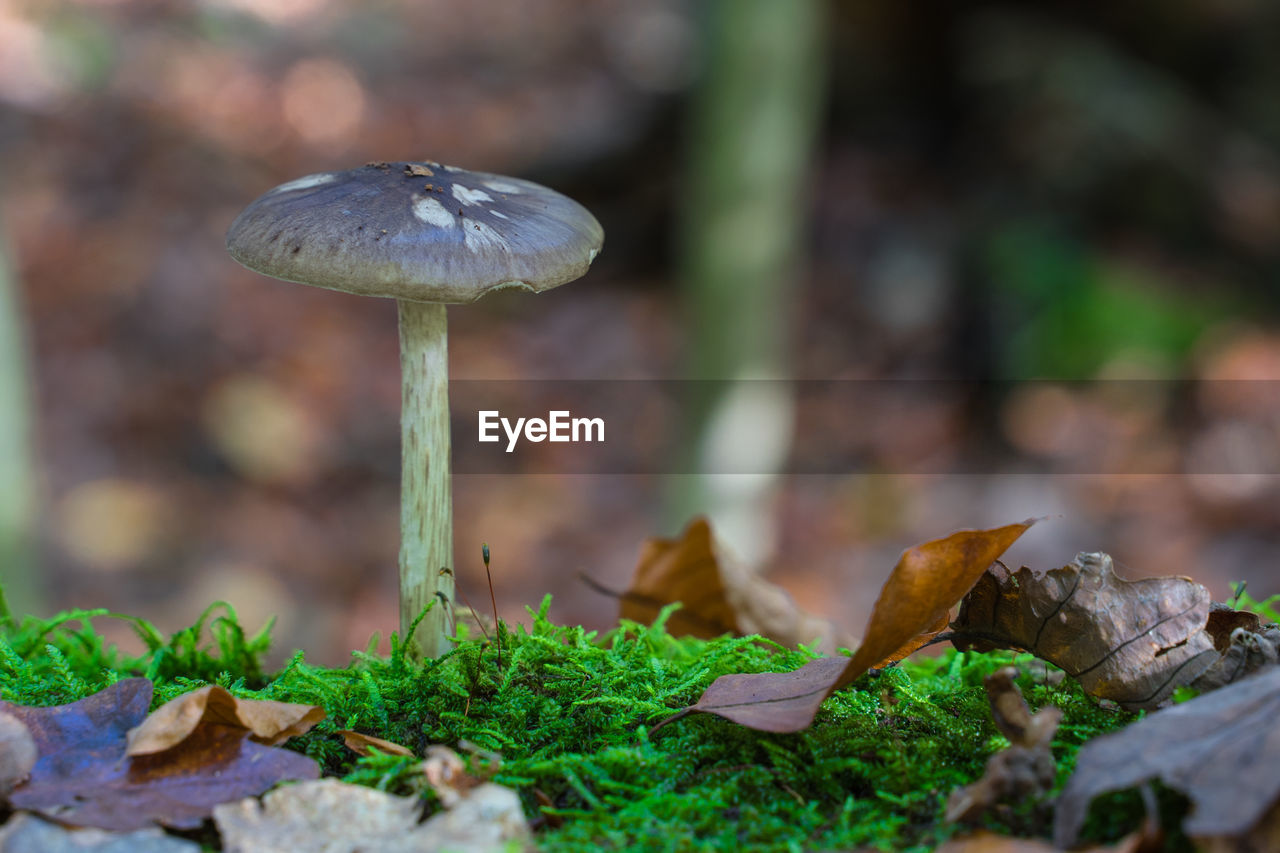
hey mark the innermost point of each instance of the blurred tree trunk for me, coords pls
(17, 480)
(752, 128)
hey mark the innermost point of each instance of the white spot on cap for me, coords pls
(432, 212)
(501, 186)
(467, 196)
(306, 182)
(499, 214)
(477, 236)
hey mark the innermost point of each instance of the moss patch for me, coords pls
(570, 712)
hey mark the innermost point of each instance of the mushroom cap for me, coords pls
(417, 231)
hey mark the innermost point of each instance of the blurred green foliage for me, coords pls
(1070, 311)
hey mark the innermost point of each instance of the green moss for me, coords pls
(571, 711)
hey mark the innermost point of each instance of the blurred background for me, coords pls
(976, 192)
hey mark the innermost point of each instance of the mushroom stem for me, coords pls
(426, 493)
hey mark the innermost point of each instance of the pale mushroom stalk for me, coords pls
(426, 490)
(428, 236)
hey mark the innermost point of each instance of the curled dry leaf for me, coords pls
(1221, 750)
(265, 721)
(17, 752)
(925, 584)
(1026, 768)
(719, 595)
(1223, 622)
(84, 777)
(361, 744)
(1133, 642)
(1246, 644)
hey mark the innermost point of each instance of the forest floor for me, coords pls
(571, 713)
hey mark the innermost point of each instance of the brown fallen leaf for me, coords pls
(17, 752)
(1224, 620)
(360, 744)
(917, 642)
(1221, 750)
(1133, 642)
(1026, 767)
(84, 777)
(718, 595)
(266, 722)
(925, 584)
(1247, 647)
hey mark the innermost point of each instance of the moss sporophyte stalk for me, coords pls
(570, 712)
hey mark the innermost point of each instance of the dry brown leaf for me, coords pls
(360, 744)
(268, 722)
(83, 777)
(1248, 654)
(1026, 767)
(1223, 621)
(684, 569)
(1246, 644)
(926, 583)
(718, 595)
(918, 642)
(17, 752)
(1221, 750)
(1133, 642)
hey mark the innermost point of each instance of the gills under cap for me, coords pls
(417, 231)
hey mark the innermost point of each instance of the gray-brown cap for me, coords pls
(417, 231)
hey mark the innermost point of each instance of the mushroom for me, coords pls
(427, 236)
